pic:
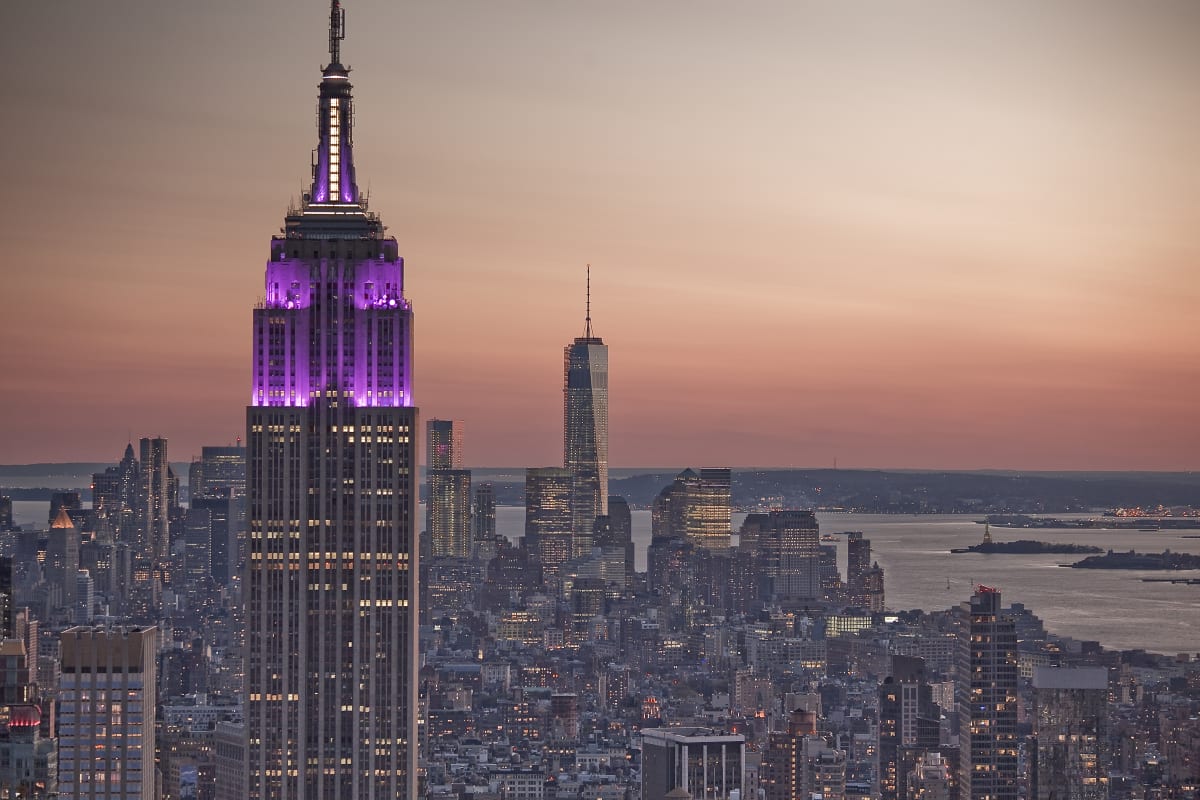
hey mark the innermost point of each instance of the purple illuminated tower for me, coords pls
(331, 578)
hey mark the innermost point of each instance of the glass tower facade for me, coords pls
(585, 431)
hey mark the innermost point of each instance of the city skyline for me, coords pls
(960, 239)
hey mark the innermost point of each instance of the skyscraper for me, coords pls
(585, 429)
(1070, 713)
(987, 699)
(155, 498)
(219, 468)
(483, 513)
(789, 555)
(331, 579)
(448, 490)
(548, 516)
(858, 562)
(696, 507)
(62, 559)
(909, 725)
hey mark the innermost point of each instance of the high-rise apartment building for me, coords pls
(987, 699)
(331, 579)
(909, 725)
(448, 490)
(858, 562)
(585, 429)
(1070, 728)
(445, 444)
(106, 714)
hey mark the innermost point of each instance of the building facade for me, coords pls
(106, 734)
(987, 699)
(548, 516)
(585, 430)
(1070, 712)
(331, 577)
(448, 490)
(707, 764)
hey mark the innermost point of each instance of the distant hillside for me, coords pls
(879, 491)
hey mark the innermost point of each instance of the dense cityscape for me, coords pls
(282, 622)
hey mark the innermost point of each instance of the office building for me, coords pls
(155, 499)
(614, 530)
(62, 560)
(218, 468)
(331, 579)
(1070, 728)
(116, 497)
(548, 516)
(585, 429)
(106, 731)
(448, 490)
(223, 510)
(789, 553)
(483, 517)
(987, 699)
(707, 764)
(68, 501)
(696, 507)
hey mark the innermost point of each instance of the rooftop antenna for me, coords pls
(337, 31)
(588, 330)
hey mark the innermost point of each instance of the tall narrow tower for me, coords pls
(331, 579)
(585, 429)
(987, 699)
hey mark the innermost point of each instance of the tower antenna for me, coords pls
(337, 31)
(588, 321)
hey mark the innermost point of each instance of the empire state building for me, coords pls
(331, 578)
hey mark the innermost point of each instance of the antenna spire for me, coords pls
(337, 31)
(588, 330)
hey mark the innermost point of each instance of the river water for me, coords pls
(1114, 607)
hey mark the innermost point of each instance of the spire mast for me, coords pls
(588, 321)
(337, 31)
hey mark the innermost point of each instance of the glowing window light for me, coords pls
(334, 148)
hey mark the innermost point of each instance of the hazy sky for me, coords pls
(921, 234)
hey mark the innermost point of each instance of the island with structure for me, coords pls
(1023, 547)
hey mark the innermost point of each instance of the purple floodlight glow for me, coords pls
(300, 353)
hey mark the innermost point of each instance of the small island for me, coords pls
(1131, 560)
(1023, 547)
(1028, 547)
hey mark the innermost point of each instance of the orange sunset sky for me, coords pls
(929, 234)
